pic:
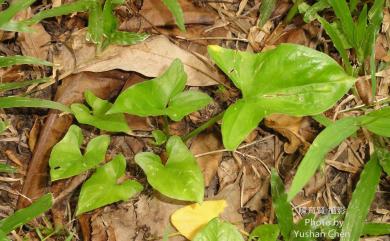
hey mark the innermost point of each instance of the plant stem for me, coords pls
(166, 125)
(203, 127)
(293, 11)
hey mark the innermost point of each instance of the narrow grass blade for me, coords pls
(338, 43)
(361, 200)
(6, 61)
(95, 23)
(353, 4)
(16, 101)
(177, 12)
(78, 6)
(27, 214)
(384, 158)
(6, 168)
(341, 10)
(266, 9)
(328, 139)
(360, 33)
(282, 207)
(13, 9)
(21, 84)
(376, 229)
(127, 38)
(15, 27)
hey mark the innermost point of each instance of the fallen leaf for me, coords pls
(289, 127)
(36, 43)
(155, 13)
(33, 135)
(232, 195)
(149, 58)
(190, 219)
(209, 163)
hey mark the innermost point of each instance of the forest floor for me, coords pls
(240, 177)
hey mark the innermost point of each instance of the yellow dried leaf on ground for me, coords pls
(190, 219)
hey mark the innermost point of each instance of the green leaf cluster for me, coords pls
(66, 160)
(162, 96)
(102, 24)
(310, 83)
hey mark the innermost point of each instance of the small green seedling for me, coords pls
(97, 116)
(310, 83)
(180, 178)
(25, 215)
(162, 96)
(102, 187)
(102, 23)
(217, 230)
(66, 159)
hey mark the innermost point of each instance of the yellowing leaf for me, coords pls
(190, 219)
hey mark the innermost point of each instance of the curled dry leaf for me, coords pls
(290, 127)
(155, 13)
(149, 58)
(71, 91)
(208, 163)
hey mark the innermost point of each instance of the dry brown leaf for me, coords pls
(33, 136)
(231, 194)
(289, 127)
(227, 172)
(155, 13)
(209, 163)
(149, 58)
(36, 43)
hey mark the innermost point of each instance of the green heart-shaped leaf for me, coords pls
(161, 96)
(290, 79)
(265, 232)
(102, 187)
(98, 117)
(181, 177)
(217, 230)
(66, 159)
